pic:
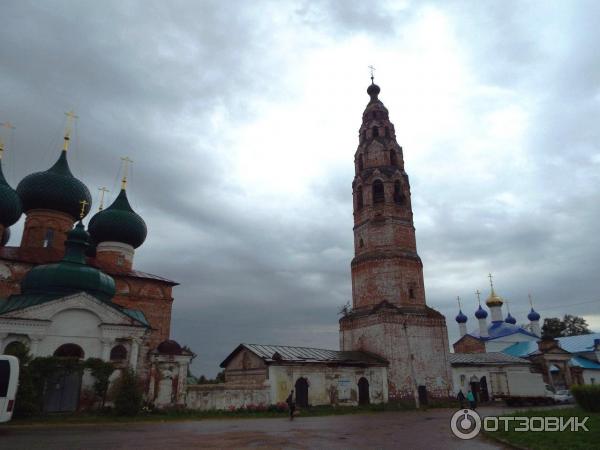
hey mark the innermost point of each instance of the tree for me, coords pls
(101, 371)
(128, 399)
(220, 378)
(575, 326)
(553, 328)
(568, 326)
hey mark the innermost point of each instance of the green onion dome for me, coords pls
(56, 189)
(71, 274)
(118, 223)
(10, 203)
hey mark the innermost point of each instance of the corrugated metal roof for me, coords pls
(492, 358)
(573, 344)
(284, 353)
(584, 363)
(521, 349)
(579, 344)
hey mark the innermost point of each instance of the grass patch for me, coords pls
(185, 414)
(553, 440)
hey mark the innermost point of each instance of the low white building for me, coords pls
(480, 372)
(266, 374)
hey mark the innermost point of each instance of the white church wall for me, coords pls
(425, 339)
(463, 375)
(328, 384)
(591, 376)
(222, 397)
(76, 326)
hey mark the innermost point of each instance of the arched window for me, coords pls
(48, 238)
(15, 348)
(118, 353)
(361, 163)
(387, 132)
(359, 198)
(361, 243)
(375, 131)
(378, 192)
(398, 195)
(393, 159)
(69, 351)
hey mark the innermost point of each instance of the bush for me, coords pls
(587, 396)
(128, 398)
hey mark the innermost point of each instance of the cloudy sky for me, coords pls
(242, 118)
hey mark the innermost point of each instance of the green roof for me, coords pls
(118, 223)
(10, 203)
(71, 274)
(55, 189)
(22, 301)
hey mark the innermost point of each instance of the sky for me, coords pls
(242, 120)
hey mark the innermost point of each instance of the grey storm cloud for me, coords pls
(148, 79)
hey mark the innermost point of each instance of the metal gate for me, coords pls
(62, 392)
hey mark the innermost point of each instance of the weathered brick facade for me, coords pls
(389, 315)
(135, 290)
(469, 344)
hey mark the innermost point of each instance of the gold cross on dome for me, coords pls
(126, 162)
(372, 73)
(83, 204)
(8, 126)
(69, 128)
(491, 281)
(478, 296)
(530, 301)
(458, 300)
(103, 191)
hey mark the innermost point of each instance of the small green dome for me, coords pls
(118, 223)
(10, 203)
(56, 189)
(72, 274)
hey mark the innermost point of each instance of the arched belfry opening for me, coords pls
(375, 131)
(398, 194)
(359, 198)
(361, 163)
(393, 159)
(378, 192)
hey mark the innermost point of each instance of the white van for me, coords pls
(9, 380)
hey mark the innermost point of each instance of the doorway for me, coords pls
(483, 390)
(62, 392)
(302, 393)
(363, 391)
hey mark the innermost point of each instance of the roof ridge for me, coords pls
(294, 346)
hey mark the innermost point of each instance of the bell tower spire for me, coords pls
(386, 265)
(389, 316)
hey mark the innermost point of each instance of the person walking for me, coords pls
(471, 399)
(291, 404)
(461, 399)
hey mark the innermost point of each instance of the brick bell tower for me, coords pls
(389, 315)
